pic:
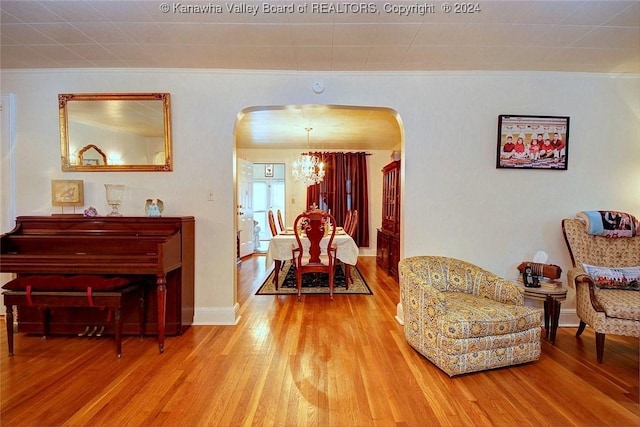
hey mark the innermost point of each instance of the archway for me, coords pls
(276, 134)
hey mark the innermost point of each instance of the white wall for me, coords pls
(455, 202)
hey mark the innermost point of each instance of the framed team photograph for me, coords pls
(532, 142)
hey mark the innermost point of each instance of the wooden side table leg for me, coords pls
(555, 320)
(548, 307)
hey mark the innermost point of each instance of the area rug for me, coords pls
(314, 283)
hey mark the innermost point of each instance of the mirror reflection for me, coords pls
(91, 156)
(115, 132)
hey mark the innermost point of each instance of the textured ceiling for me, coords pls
(597, 36)
(573, 36)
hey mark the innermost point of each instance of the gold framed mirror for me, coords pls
(115, 132)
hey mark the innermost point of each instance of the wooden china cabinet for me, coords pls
(388, 241)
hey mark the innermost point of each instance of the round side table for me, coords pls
(552, 297)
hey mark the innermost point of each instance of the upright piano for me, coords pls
(159, 249)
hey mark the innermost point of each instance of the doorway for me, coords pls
(268, 194)
(7, 171)
(275, 134)
(7, 154)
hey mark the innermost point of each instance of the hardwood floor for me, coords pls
(313, 362)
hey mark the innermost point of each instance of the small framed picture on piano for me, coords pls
(67, 192)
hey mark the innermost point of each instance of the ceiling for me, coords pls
(331, 127)
(302, 35)
(595, 36)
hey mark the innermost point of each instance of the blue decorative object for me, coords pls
(154, 208)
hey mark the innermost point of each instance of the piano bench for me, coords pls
(54, 291)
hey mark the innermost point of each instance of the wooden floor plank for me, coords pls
(312, 362)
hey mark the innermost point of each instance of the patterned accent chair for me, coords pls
(464, 318)
(608, 311)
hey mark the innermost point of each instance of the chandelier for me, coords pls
(308, 169)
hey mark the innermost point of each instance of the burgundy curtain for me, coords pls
(344, 187)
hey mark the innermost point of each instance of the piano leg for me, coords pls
(44, 312)
(118, 332)
(161, 283)
(9, 321)
(141, 313)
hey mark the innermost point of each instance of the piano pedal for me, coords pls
(93, 331)
(85, 332)
(99, 333)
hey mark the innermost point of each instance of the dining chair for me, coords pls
(314, 257)
(280, 221)
(353, 223)
(347, 220)
(272, 224)
(349, 227)
(274, 232)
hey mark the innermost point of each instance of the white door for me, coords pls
(268, 195)
(245, 207)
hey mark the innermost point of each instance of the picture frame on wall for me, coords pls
(532, 142)
(67, 193)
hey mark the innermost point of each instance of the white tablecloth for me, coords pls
(280, 248)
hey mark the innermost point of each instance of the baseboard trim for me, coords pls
(217, 315)
(568, 318)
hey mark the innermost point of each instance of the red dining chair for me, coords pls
(347, 221)
(314, 257)
(280, 221)
(351, 231)
(272, 224)
(274, 232)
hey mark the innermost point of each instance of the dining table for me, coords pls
(280, 247)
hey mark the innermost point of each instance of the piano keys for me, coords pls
(160, 249)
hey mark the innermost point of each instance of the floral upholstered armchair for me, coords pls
(464, 318)
(608, 310)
